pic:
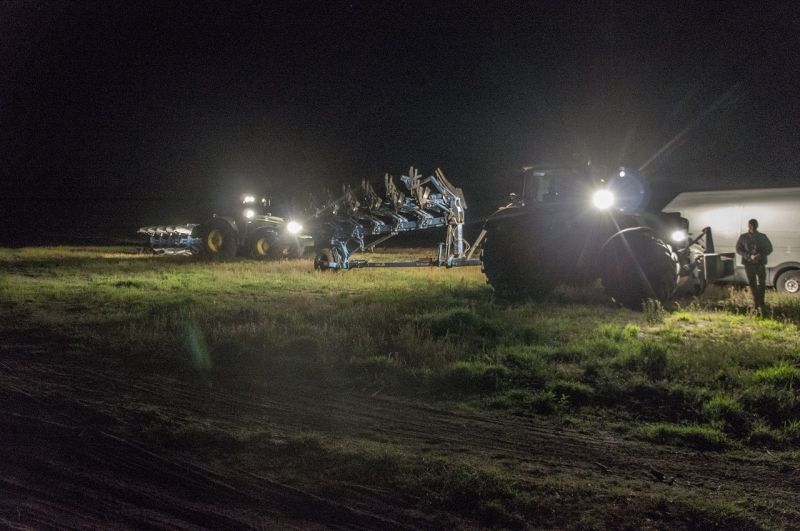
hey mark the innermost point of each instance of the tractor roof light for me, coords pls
(294, 227)
(603, 199)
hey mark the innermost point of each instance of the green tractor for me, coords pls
(252, 231)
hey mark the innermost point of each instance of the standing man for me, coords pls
(754, 248)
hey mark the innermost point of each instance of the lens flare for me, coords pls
(603, 199)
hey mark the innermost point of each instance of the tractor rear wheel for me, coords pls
(636, 266)
(323, 258)
(266, 245)
(512, 260)
(219, 240)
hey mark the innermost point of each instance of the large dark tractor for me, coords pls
(576, 225)
(250, 231)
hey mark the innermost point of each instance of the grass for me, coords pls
(706, 374)
(423, 332)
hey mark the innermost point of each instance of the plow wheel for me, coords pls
(637, 266)
(219, 240)
(265, 245)
(323, 258)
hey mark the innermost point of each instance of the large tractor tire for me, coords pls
(789, 282)
(513, 261)
(636, 266)
(219, 240)
(266, 245)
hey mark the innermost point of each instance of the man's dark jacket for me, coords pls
(751, 243)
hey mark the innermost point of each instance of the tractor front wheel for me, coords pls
(266, 245)
(295, 250)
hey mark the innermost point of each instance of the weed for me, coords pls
(683, 317)
(461, 321)
(616, 333)
(791, 432)
(575, 394)
(523, 401)
(653, 311)
(698, 437)
(467, 378)
(526, 365)
(780, 375)
(702, 513)
(650, 358)
(728, 413)
(763, 436)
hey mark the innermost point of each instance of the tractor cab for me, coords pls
(624, 190)
(255, 209)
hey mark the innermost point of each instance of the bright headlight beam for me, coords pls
(249, 214)
(679, 235)
(603, 199)
(294, 227)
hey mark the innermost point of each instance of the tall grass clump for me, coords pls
(698, 437)
(728, 414)
(653, 311)
(466, 486)
(466, 378)
(781, 375)
(648, 357)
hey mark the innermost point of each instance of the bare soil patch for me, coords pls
(89, 442)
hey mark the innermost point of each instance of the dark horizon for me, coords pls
(143, 102)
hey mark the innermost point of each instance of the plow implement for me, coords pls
(172, 239)
(354, 224)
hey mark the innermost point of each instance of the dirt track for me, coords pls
(72, 456)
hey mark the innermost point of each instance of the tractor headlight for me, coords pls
(249, 213)
(603, 199)
(679, 235)
(294, 227)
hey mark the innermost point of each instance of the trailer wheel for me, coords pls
(789, 282)
(265, 245)
(636, 266)
(323, 258)
(219, 240)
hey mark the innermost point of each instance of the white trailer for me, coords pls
(727, 213)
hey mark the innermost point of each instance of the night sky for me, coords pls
(118, 111)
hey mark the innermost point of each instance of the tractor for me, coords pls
(252, 231)
(574, 225)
